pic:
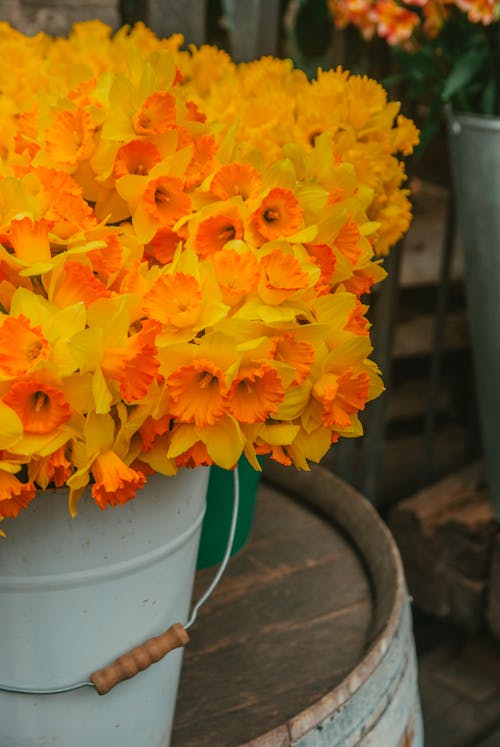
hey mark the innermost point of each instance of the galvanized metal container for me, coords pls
(77, 593)
(475, 161)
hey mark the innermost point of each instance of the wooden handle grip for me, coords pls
(139, 658)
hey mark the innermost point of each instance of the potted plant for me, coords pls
(172, 297)
(448, 55)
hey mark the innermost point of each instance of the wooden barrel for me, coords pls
(308, 639)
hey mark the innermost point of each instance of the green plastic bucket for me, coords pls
(217, 520)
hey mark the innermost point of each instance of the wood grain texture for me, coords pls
(139, 658)
(290, 620)
(253, 28)
(446, 533)
(167, 17)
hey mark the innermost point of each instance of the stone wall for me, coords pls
(56, 17)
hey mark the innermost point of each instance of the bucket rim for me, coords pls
(100, 574)
(482, 122)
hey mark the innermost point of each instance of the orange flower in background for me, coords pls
(434, 14)
(197, 393)
(479, 11)
(213, 233)
(135, 157)
(165, 200)
(115, 483)
(156, 115)
(255, 393)
(41, 408)
(174, 300)
(236, 180)
(14, 495)
(279, 214)
(394, 23)
(22, 346)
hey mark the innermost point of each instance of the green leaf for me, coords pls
(462, 73)
(488, 100)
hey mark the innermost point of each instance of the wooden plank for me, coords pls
(58, 16)
(409, 399)
(167, 17)
(421, 260)
(445, 534)
(402, 460)
(415, 336)
(253, 28)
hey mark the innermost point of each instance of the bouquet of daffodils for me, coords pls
(186, 249)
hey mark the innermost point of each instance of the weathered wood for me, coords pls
(415, 336)
(307, 616)
(424, 240)
(297, 585)
(253, 28)
(408, 400)
(56, 17)
(167, 17)
(445, 534)
(401, 458)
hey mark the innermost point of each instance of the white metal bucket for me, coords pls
(77, 593)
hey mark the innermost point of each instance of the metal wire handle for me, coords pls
(154, 649)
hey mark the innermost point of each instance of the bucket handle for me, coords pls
(143, 656)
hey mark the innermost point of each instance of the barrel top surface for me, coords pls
(294, 618)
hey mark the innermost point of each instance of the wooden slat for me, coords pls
(167, 17)
(253, 27)
(424, 241)
(446, 534)
(415, 336)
